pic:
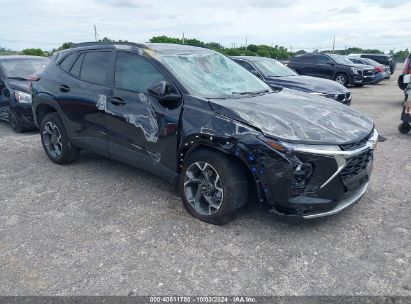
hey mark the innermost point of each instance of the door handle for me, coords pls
(117, 101)
(64, 88)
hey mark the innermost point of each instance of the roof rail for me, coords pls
(92, 43)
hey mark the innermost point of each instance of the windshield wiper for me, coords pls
(17, 78)
(251, 93)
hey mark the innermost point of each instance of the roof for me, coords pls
(367, 54)
(20, 57)
(162, 48)
(251, 58)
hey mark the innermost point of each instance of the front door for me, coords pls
(140, 130)
(325, 67)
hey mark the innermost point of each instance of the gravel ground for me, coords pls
(98, 227)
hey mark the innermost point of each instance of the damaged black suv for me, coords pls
(195, 117)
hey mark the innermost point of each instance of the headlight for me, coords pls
(303, 147)
(355, 71)
(22, 97)
(282, 146)
(327, 95)
(318, 93)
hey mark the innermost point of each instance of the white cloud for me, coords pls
(301, 24)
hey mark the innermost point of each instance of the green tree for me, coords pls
(34, 52)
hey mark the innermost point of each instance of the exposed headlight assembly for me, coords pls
(22, 97)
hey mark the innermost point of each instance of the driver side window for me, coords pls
(135, 73)
(323, 60)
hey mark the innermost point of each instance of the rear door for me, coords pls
(307, 65)
(80, 93)
(141, 131)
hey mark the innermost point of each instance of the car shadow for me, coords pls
(252, 213)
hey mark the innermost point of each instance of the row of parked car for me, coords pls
(199, 119)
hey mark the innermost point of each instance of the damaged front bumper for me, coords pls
(344, 203)
(338, 180)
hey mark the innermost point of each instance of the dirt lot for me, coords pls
(100, 227)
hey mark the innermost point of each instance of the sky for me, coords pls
(300, 24)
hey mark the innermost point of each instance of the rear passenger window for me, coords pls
(67, 62)
(75, 69)
(95, 66)
(135, 73)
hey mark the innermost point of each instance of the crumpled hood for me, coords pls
(297, 117)
(308, 84)
(20, 85)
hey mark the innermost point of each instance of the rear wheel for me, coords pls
(213, 186)
(404, 127)
(55, 140)
(341, 79)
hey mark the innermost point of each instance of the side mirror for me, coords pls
(164, 92)
(330, 63)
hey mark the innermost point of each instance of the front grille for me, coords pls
(368, 72)
(356, 165)
(356, 145)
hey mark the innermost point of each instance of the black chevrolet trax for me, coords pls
(196, 118)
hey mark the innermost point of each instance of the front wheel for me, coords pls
(404, 128)
(55, 140)
(213, 186)
(341, 79)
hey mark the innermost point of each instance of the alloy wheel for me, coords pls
(340, 79)
(203, 188)
(52, 139)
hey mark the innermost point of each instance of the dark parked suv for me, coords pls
(331, 66)
(195, 117)
(15, 97)
(384, 59)
(275, 74)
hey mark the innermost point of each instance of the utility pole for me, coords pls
(95, 33)
(246, 43)
(334, 44)
(184, 42)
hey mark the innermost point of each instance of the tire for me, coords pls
(404, 128)
(341, 79)
(228, 193)
(15, 123)
(58, 148)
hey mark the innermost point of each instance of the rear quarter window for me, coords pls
(67, 62)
